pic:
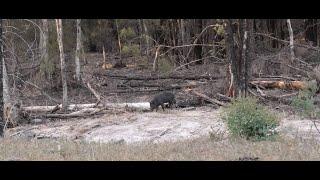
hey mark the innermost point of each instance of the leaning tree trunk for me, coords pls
(77, 61)
(1, 85)
(62, 64)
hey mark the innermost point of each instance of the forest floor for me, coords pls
(193, 133)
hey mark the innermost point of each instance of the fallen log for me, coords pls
(139, 90)
(157, 85)
(159, 88)
(185, 77)
(74, 107)
(275, 78)
(205, 97)
(71, 107)
(296, 85)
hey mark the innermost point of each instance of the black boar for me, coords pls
(160, 99)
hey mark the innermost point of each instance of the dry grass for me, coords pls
(198, 149)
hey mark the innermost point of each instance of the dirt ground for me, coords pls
(130, 127)
(170, 125)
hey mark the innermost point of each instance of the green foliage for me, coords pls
(246, 118)
(219, 29)
(304, 102)
(127, 33)
(130, 50)
(165, 65)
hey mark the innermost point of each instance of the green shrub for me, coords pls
(245, 118)
(304, 102)
(130, 50)
(127, 33)
(165, 65)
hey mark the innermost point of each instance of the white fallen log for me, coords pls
(74, 107)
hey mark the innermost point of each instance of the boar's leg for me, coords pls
(162, 105)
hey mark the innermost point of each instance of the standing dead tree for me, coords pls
(231, 58)
(62, 63)
(44, 45)
(238, 55)
(1, 85)
(77, 61)
(291, 40)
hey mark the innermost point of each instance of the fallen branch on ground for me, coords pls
(25, 130)
(205, 97)
(224, 97)
(275, 98)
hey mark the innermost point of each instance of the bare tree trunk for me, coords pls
(1, 84)
(104, 57)
(243, 84)
(198, 49)
(248, 54)
(119, 41)
(44, 41)
(62, 63)
(291, 40)
(141, 33)
(155, 61)
(311, 32)
(146, 34)
(183, 36)
(6, 95)
(77, 61)
(231, 58)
